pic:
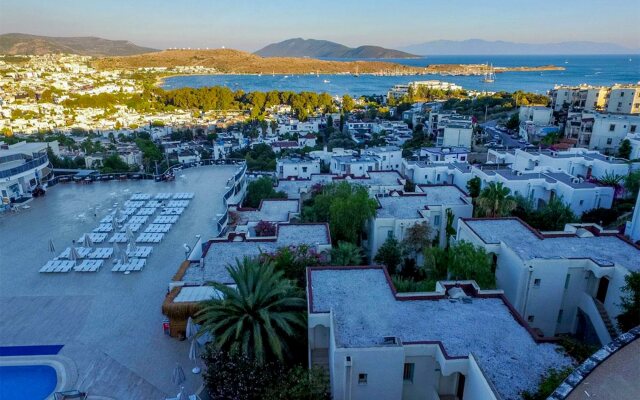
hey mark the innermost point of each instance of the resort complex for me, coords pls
(311, 220)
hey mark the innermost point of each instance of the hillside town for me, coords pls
(430, 243)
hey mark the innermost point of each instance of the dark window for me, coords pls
(560, 316)
(362, 379)
(632, 129)
(407, 375)
(612, 127)
(536, 282)
(566, 281)
(609, 140)
(530, 318)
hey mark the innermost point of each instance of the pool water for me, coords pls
(27, 382)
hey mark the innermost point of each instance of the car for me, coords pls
(496, 137)
(522, 141)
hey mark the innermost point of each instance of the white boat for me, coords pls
(489, 75)
(326, 81)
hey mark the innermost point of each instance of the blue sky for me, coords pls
(251, 24)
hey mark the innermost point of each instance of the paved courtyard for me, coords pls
(110, 323)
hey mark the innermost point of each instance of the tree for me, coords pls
(237, 376)
(114, 163)
(630, 302)
(265, 228)
(260, 189)
(551, 217)
(474, 186)
(344, 206)
(293, 261)
(299, 383)
(416, 238)
(389, 254)
(624, 151)
(257, 318)
(514, 122)
(346, 254)
(449, 230)
(467, 261)
(347, 103)
(632, 183)
(495, 200)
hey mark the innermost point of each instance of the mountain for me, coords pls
(485, 47)
(20, 43)
(299, 47)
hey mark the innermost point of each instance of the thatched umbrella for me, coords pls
(52, 247)
(86, 241)
(73, 255)
(194, 354)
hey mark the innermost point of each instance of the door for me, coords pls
(603, 286)
(460, 390)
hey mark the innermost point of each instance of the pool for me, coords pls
(27, 382)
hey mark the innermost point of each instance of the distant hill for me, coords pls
(20, 43)
(484, 47)
(299, 47)
(235, 61)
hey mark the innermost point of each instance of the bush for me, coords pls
(260, 189)
(265, 228)
(601, 216)
(550, 382)
(409, 285)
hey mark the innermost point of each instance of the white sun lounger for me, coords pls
(132, 226)
(140, 196)
(82, 252)
(163, 196)
(183, 196)
(103, 228)
(57, 266)
(95, 237)
(119, 237)
(89, 266)
(166, 219)
(172, 211)
(134, 264)
(133, 204)
(177, 203)
(149, 238)
(101, 253)
(158, 228)
(146, 211)
(140, 252)
(139, 219)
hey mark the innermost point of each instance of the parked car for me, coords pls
(522, 141)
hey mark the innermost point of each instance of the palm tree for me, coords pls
(496, 201)
(259, 316)
(346, 254)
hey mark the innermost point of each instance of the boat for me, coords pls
(489, 75)
(356, 75)
(326, 81)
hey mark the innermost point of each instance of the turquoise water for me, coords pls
(27, 382)
(595, 70)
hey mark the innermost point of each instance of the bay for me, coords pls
(589, 69)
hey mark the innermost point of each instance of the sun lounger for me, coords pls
(140, 251)
(158, 228)
(140, 196)
(172, 211)
(177, 204)
(89, 266)
(146, 211)
(134, 264)
(101, 253)
(163, 196)
(149, 238)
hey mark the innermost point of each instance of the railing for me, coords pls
(222, 222)
(36, 162)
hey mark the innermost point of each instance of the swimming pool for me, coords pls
(28, 382)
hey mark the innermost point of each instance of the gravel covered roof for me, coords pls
(271, 210)
(224, 253)
(407, 206)
(527, 245)
(365, 310)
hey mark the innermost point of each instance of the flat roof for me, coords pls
(196, 293)
(407, 205)
(445, 150)
(603, 249)
(297, 160)
(365, 310)
(272, 210)
(222, 253)
(355, 159)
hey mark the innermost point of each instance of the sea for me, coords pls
(589, 69)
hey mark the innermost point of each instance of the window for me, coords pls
(581, 202)
(407, 375)
(621, 94)
(436, 220)
(304, 169)
(609, 140)
(362, 379)
(536, 282)
(438, 178)
(632, 128)
(389, 234)
(560, 316)
(612, 127)
(566, 281)
(530, 318)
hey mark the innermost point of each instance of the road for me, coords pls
(506, 140)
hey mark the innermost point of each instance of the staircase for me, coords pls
(605, 318)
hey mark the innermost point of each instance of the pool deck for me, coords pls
(109, 323)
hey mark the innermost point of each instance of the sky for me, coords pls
(252, 24)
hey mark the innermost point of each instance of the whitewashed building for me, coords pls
(560, 282)
(399, 211)
(458, 342)
(356, 166)
(610, 129)
(632, 229)
(23, 166)
(536, 114)
(389, 157)
(292, 167)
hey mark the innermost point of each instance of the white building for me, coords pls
(610, 129)
(624, 99)
(356, 166)
(398, 212)
(434, 173)
(458, 342)
(634, 139)
(389, 157)
(632, 229)
(578, 162)
(308, 140)
(302, 168)
(23, 166)
(446, 154)
(536, 114)
(582, 97)
(560, 282)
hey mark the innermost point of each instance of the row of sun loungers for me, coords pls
(172, 211)
(140, 251)
(139, 219)
(158, 228)
(183, 196)
(134, 264)
(101, 253)
(163, 196)
(146, 211)
(102, 228)
(165, 219)
(57, 266)
(132, 226)
(177, 203)
(94, 237)
(133, 204)
(89, 266)
(140, 196)
(150, 238)
(82, 252)
(152, 204)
